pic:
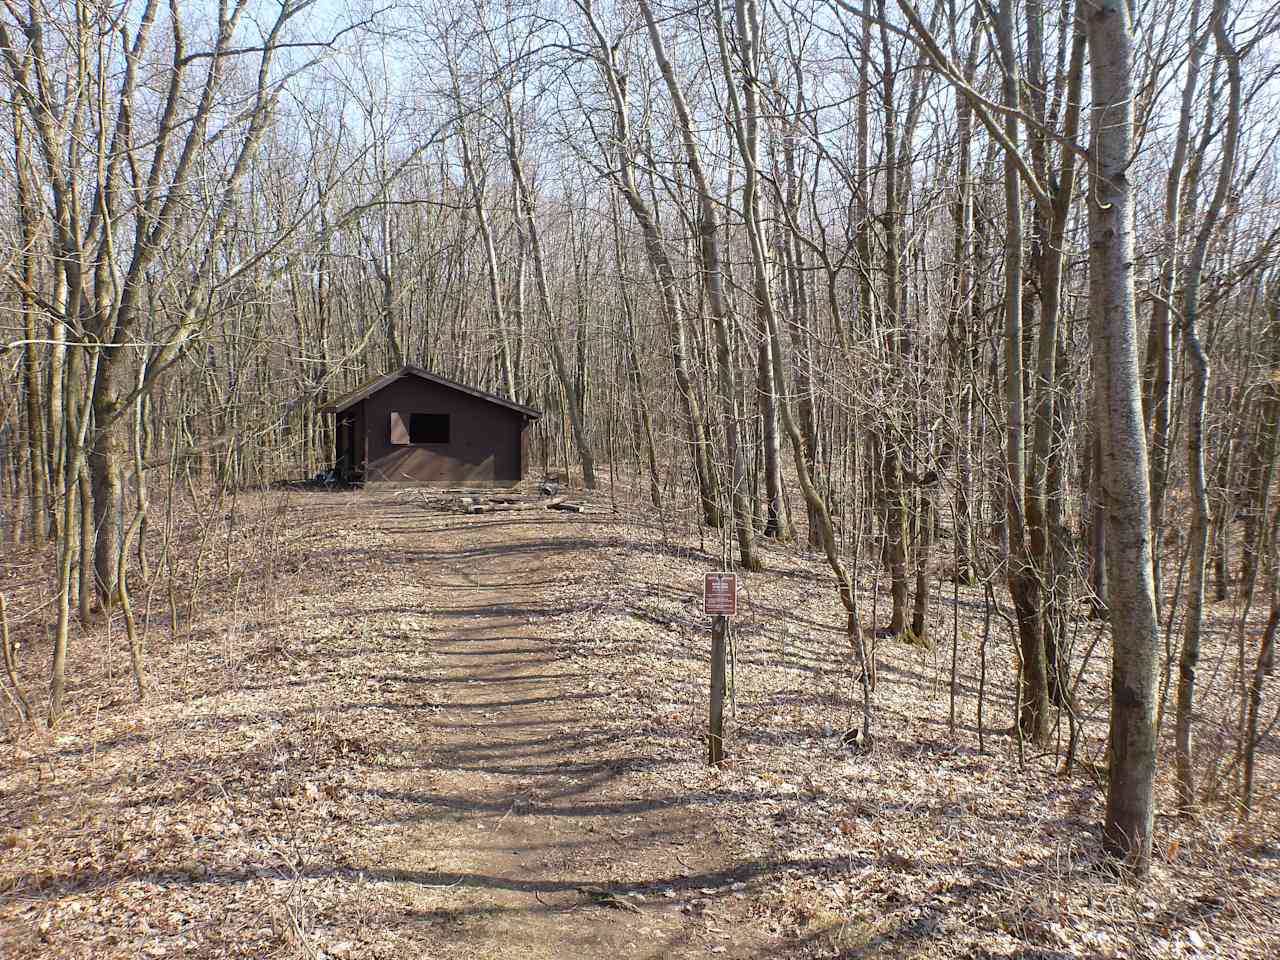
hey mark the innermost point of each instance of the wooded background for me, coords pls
(980, 291)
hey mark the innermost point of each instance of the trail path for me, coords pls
(525, 837)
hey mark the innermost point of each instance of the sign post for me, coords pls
(720, 602)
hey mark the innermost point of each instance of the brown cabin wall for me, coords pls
(484, 439)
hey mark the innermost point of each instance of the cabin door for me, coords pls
(349, 449)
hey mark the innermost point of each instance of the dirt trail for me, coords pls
(526, 839)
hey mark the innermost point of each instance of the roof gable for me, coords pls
(408, 370)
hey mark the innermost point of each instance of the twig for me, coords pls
(16, 696)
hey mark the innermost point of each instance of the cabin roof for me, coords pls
(408, 370)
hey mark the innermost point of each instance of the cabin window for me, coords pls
(412, 428)
(428, 428)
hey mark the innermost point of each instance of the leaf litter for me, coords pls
(242, 810)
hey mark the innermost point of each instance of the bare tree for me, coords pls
(1199, 378)
(713, 280)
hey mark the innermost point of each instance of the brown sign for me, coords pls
(720, 594)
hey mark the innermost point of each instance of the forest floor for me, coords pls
(386, 732)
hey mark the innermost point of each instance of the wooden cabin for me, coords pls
(415, 427)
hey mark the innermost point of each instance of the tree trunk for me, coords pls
(673, 310)
(748, 38)
(106, 475)
(713, 281)
(1199, 379)
(642, 419)
(1043, 497)
(777, 524)
(1024, 581)
(37, 442)
(572, 403)
(1262, 668)
(894, 431)
(961, 335)
(1223, 513)
(1118, 406)
(1159, 397)
(1257, 489)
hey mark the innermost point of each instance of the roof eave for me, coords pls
(363, 393)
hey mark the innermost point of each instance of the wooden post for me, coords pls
(719, 602)
(715, 725)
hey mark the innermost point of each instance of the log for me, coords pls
(504, 507)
